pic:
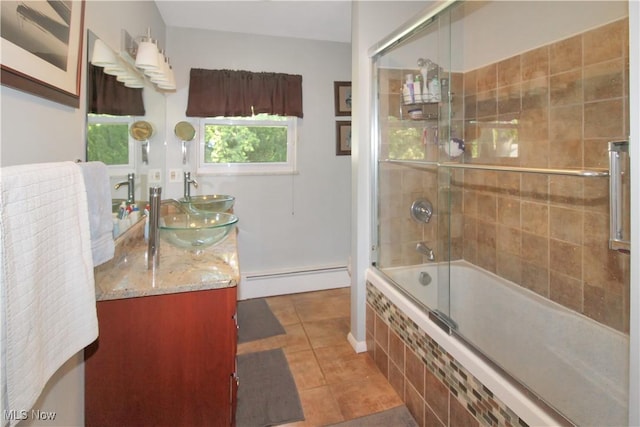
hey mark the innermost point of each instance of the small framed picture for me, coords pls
(343, 138)
(342, 93)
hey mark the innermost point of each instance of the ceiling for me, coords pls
(316, 20)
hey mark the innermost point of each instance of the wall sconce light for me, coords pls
(150, 59)
(135, 62)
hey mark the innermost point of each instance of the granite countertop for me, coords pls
(127, 276)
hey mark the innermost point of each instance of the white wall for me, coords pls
(287, 222)
(35, 130)
(528, 24)
(371, 21)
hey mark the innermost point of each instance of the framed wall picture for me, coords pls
(42, 48)
(343, 137)
(342, 93)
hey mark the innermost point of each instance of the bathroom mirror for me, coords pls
(128, 143)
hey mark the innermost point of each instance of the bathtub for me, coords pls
(572, 362)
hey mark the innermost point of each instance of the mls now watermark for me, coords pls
(34, 414)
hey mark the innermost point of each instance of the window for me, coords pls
(108, 141)
(251, 145)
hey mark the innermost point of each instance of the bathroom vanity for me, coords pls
(166, 351)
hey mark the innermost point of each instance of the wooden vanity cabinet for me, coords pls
(164, 360)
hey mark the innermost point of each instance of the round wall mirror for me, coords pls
(185, 132)
(141, 130)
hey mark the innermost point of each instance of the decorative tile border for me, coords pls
(467, 389)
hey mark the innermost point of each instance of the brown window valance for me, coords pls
(229, 93)
(109, 96)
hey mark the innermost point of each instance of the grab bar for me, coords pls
(618, 236)
(546, 171)
(594, 173)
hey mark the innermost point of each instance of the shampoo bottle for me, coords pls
(434, 89)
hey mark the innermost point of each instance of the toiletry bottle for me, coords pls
(434, 89)
(116, 225)
(417, 88)
(122, 211)
(407, 91)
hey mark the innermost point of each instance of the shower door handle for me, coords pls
(618, 197)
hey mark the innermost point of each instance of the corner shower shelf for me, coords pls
(593, 173)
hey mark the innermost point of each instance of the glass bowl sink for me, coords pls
(196, 230)
(208, 203)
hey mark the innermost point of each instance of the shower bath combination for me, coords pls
(508, 226)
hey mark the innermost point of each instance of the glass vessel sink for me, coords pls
(196, 230)
(208, 203)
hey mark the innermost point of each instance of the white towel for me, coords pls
(96, 181)
(47, 289)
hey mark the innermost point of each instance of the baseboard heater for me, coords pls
(297, 272)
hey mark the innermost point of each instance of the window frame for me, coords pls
(253, 168)
(131, 143)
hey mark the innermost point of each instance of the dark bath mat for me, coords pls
(396, 417)
(256, 321)
(267, 394)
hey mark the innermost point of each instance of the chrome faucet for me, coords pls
(187, 184)
(131, 184)
(153, 249)
(425, 250)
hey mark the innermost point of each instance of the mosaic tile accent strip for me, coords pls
(467, 389)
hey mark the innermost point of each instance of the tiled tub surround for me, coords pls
(546, 233)
(546, 357)
(127, 276)
(437, 388)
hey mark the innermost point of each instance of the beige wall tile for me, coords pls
(605, 307)
(487, 207)
(565, 55)
(535, 218)
(605, 42)
(565, 123)
(604, 80)
(566, 191)
(414, 371)
(535, 250)
(565, 258)
(509, 99)
(509, 266)
(487, 78)
(535, 187)
(487, 105)
(470, 82)
(382, 334)
(535, 94)
(566, 290)
(566, 154)
(509, 71)
(596, 153)
(535, 63)
(535, 278)
(566, 88)
(437, 396)
(396, 379)
(566, 224)
(508, 239)
(604, 119)
(509, 211)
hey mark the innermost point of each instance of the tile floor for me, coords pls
(335, 383)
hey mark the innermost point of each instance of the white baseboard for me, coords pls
(358, 346)
(259, 285)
